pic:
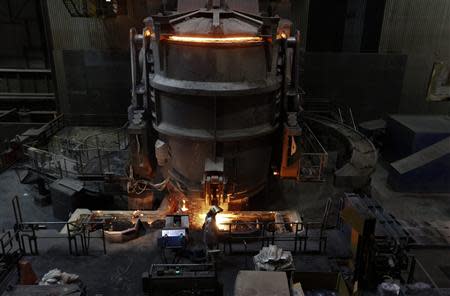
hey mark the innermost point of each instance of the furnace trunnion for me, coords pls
(214, 97)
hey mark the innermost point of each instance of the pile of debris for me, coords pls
(273, 258)
(57, 277)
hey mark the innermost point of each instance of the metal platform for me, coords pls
(363, 154)
(414, 233)
(422, 157)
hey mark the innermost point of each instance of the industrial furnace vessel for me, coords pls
(215, 96)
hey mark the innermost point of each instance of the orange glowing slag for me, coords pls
(222, 219)
(147, 33)
(281, 35)
(184, 208)
(220, 40)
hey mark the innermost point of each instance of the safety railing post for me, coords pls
(295, 238)
(35, 240)
(229, 238)
(103, 238)
(99, 154)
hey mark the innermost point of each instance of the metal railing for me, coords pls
(68, 157)
(348, 120)
(93, 155)
(266, 233)
(315, 158)
(10, 254)
(231, 236)
(7, 243)
(75, 231)
(312, 166)
(14, 149)
(44, 162)
(278, 232)
(50, 129)
(9, 155)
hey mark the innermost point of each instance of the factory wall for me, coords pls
(421, 30)
(342, 63)
(91, 63)
(24, 58)
(369, 83)
(21, 30)
(415, 34)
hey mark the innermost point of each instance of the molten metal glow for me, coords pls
(222, 219)
(184, 208)
(220, 40)
(147, 33)
(137, 214)
(281, 35)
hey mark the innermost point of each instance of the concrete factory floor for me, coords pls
(119, 272)
(419, 206)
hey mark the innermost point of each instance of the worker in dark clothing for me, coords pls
(210, 229)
